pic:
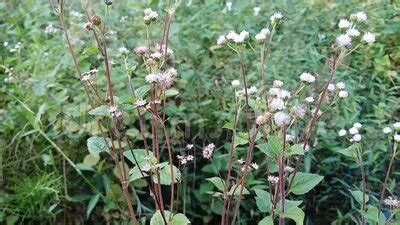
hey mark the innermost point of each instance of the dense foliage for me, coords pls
(55, 167)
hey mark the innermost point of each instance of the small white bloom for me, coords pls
(240, 161)
(252, 90)
(5, 44)
(277, 104)
(353, 130)
(260, 37)
(387, 130)
(309, 99)
(231, 35)
(353, 32)
(343, 40)
(359, 16)
(221, 40)
(284, 94)
(235, 83)
(156, 55)
(208, 151)
(113, 109)
(273, 179)
(343, 23)
(189, 146)
(369, 37)
(276, 17)
(396, 138)
(340, 85)
(140, 103)
(275, 92)
(396, 126)
(151, 78)
(254, 165)
(281, 119)
(331, 87)
(357, 125)
(85, 77)
(307, 77)
(277, 83)
(343, 94)
(342, 132)
(289, 169)
(357, 137)
(229, 6)
(123, 51)
(256, 10)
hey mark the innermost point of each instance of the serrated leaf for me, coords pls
(102, 110)
(218, 182)
(171, 93)
(179, 219)
(96, 145)
(263, 200)
(275, 145)
(304, 182)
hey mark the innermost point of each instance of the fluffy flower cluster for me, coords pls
(389, 132)
(149, 16)
(262, 36)
(273, 179)
(233, 37)
(86, 75)
(345, 39)
(276, 17)
(185, 159)
(165, 79)
(208, 151)
(354, 132)
(307, 78)
(392, 202)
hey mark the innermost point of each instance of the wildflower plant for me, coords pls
(279, 121)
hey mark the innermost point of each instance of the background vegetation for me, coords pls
(38, 185)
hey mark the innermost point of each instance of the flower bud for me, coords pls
(109, 2)
(96, 20)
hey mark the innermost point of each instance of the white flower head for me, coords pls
(221, 40)
(252, 90)
(140, 103)
(277, 83)
(281, 119)
(359, 16)
(369, 38)
(353, 131)
(342, 133)
(396, 126)
(208, 151)
(254, 165)
(357, 137)
(344, 24)
(123, 51)
(352, 32)
(256, 10)
(289, 169)
(340, 85)
(275, 92)
(151, 78)
(284, 94)
(396, 138)
(331, 87)
(277, 104)
(343, 40)
(276, 17)
(307, 77)
(273, 179)
(343, 94)
(189, 146)
(229, 6)
(235, 83)
(357, 125)
(310, 99)
(386, 130)
(240, 161)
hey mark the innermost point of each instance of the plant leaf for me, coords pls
(92, 203)
(304, 182)
(263, 200)
(266, 221)
(358, 196)
(96, 144)
(218, 182)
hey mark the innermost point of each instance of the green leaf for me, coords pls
(90, 50)
(218, 182)
(91, 159)
(83, 167)
(275, 145)
(295, 150)
(165, 175)
(304, 182)
(372, 214)
(92, 203)
(135, 174)
(96, 145)
(179, 219)
(235, 190)
(102, 110)
(358, 196)
(241, 138)
(296, 214)
(228, 125)
(264, 148)
(141, 157)
(351, 151)
(266, 221)
(141, 91)
(171, 92)
(157, 219)
(263, 200)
